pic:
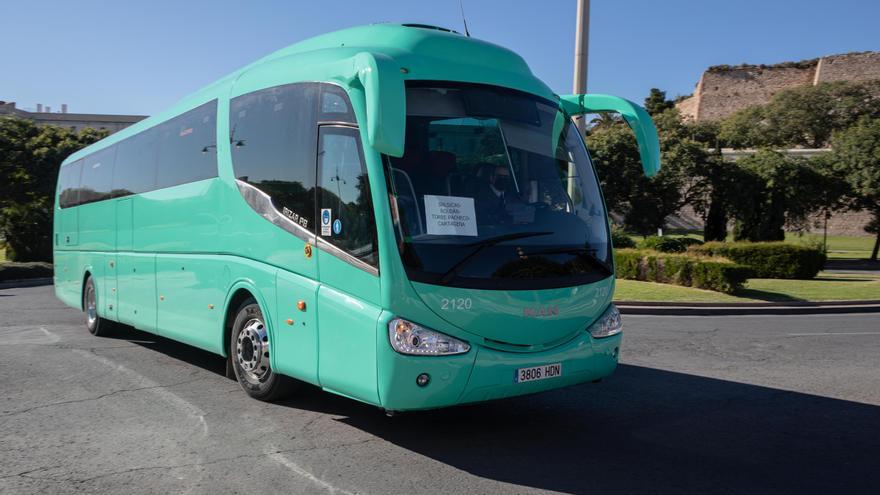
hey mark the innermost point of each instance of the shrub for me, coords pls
(768, 259)
(664, 244)
(18, 271)
(620, 239)
(689, 270)
(720, 276)
(626, 263)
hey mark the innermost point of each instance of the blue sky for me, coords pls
(138, 58)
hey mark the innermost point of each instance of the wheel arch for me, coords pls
(87, 272)
(238, 293)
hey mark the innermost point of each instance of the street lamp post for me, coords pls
(581, 53)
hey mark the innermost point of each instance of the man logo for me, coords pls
(541, 311)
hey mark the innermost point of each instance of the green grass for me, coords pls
(634, 290)
(839, 246)
(2, 254)
(825, 287)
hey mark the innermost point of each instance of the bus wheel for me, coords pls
(97, 326)
(249, 348)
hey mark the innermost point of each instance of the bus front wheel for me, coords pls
(249, 349)
(97, 326)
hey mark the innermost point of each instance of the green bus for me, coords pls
(398, 214)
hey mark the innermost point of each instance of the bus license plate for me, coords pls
(537, 373)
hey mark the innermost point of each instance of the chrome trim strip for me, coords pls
(330, 249)
(261, 203)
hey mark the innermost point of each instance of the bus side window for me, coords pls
(135, 170)
(188, 147)
(273, 136)
(344, 194)
(97, 175)
(68, 190)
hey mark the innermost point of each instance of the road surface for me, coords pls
(699, 405)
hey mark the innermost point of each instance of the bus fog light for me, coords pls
(423, 379)
(407, 337)
(608, 324)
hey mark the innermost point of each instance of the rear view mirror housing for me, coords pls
(635, 116)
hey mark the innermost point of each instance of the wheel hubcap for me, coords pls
(252, 351)
(91, 307)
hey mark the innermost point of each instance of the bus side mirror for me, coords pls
(385, 96)
(634, 115)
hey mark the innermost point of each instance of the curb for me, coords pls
(27, 282)
(747, 309)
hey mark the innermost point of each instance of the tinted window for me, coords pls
(335, 105)
(135, 170)
(68, 190)
(187, 147)
(344, 202)
(273, 147)
(97, 176)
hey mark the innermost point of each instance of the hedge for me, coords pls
(716, 274)
(668, 244)
(18, 271)
(620, 239)
(768, 259)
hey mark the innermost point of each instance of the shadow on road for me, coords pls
(641, 430)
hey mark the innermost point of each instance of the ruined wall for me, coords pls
(723, 90)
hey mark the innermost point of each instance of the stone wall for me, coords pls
(723, 90)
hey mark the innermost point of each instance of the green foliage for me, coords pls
(856, 157)
(802, 116)
(768, 259)
(21, 271)
(646, 202)
(774, 189)
(664, 244)
(656, 102)
(620, 239)
(680, 269)
(30, 157)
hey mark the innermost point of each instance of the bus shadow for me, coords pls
(643, 430)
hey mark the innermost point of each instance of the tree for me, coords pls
(30, 157)
(856, 155)
(644, 202)
(773, 189)
(745, 128)
(656, 102)
(804, 116)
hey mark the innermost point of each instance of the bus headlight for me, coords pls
(408, 338)
(608, 324)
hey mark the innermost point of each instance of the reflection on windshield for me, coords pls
(484, 163)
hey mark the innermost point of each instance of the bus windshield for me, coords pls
(495, 190)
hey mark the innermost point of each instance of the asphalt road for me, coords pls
(767, 404)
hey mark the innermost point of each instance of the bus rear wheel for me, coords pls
(249, 351)
(97, 326)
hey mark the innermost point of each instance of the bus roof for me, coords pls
(427, 52)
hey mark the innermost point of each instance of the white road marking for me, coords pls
(831, 333)
(283, 460)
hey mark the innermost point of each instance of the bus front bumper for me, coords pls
(485, 374)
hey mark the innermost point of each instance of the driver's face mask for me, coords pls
(502, 182)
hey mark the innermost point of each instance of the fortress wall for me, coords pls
(723, 90)
(849, 67)
(726, 91)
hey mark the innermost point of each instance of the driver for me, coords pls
(492, 197)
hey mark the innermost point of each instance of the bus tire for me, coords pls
(96, 325)
(249, 351)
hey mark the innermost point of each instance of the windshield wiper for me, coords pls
(581, 251)
(483, 244)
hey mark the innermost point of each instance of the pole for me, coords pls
(581, 53)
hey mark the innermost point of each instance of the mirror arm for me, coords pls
(635, 116)
(385, 96)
